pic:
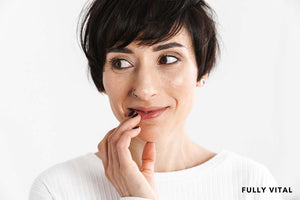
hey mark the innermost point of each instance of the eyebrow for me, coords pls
(168, 46)
(158, 48)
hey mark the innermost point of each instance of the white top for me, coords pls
(221, 177)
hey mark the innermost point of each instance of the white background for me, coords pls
(51, 112)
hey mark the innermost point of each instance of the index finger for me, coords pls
(129, 123)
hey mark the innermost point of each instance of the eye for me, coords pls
(167, 59)
(120, 63)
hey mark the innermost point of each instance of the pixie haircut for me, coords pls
(116, 23)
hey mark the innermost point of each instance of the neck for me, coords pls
(174, 152)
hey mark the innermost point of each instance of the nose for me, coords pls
(145, 83)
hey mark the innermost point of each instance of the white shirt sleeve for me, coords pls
(39, 191)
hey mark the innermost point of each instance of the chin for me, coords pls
(149, 136)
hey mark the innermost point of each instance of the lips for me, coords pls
(149, 112)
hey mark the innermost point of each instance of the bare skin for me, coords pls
(165, 78)
(120, 169)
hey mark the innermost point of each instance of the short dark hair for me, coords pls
(110, 23)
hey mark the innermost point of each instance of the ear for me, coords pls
(200, 83)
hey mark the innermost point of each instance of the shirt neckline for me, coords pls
(185, 173)
(196, 170)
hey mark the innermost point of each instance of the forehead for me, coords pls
(182, 38)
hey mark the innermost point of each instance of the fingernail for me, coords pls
(135, 115)
(136, 127)
(131, 113)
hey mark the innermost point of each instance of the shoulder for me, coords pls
(84, 164)
(249, 171)
(241, 162)
(62, 176)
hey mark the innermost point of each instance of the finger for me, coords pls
(114, 154)
(113, 159)
(125, 158)
(148, 159)
(129, 123)
(110, 172)
(102, 148)
(110, 149)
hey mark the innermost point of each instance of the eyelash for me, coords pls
(113, 61)
(168, 55)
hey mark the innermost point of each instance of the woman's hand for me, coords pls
(120, 169)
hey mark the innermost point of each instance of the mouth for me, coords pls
(149, 112)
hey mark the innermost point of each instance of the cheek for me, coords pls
(181, 86)
(108, 83)
(183, 82)
(113, 85)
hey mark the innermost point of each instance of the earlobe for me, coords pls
(202, 80)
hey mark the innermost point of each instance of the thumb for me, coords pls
(148, 160)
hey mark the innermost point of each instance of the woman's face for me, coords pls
(163, 75)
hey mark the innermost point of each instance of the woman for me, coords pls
(149, 57)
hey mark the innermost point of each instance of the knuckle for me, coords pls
(120, 146)
(112, 130)
(101, 152)
(114, 140)
(99, 146)
(111, 133)
(109, 139)
(108, 135)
